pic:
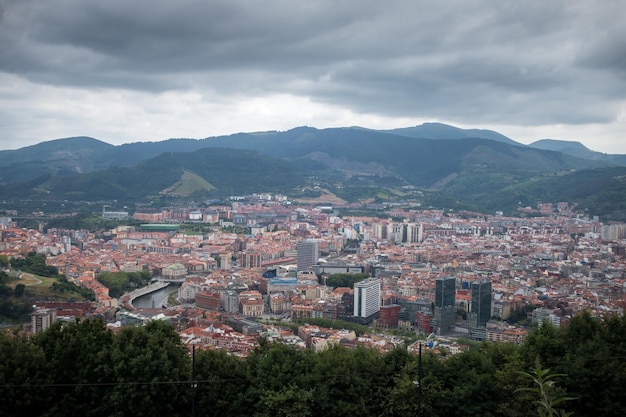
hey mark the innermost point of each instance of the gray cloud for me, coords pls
(476, 62)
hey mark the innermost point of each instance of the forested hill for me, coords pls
(484, 173)
(223, 171)
(83, 154)
(85, 369)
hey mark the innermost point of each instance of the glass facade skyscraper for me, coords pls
(445, 305)
(481, 302)
(445, 292)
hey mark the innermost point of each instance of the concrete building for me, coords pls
(208, 300)
(540, 315)
(42, 319)
(367, 298)
(307, 254)
(423, 324)
(251, 303)
(229, 301)
(176, 271)
(389, 316)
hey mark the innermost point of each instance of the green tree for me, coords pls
(544, 345)
(19, 290)
(593, 362)
(468, 381)
(23, 374)
(151, 371)
(359, 329)
(289, 401)
(78, 357)
(4, 277)
(345, 280)
(350, 382)
(544, 386)
(116, 282)
(119, 282)
(35, 263)
(589, 351)
(270, 368)
(221, 380)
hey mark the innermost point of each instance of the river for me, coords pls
(145, 301)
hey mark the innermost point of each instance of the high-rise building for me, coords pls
(414, 232)
(397, 232)
(380, 230)
(481, 302)
(480, 311)
(445, 292)
(42, 319)
(444, 316)
(307, 253)
(367, 298)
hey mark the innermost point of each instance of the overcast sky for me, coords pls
(147, 70)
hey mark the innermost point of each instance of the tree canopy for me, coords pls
(345, 280)
(119, 282)
(83, 368)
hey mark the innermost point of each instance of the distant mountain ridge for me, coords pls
(578, 150)
(444, 131)
(86, 154)
(467, 166)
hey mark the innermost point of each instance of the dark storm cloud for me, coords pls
(476, 61)
(180, 37)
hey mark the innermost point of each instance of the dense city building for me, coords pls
(43, 319)
(436, 273)
(445, 305)
(307, 254)
(480, 312)
(367, 299)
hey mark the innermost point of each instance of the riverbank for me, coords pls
(127, 299)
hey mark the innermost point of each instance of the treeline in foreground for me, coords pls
(84, 369)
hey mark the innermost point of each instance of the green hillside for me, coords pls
(205, 172)
(353, 163)
(598, 191)
(188, 184)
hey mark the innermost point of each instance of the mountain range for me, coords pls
(432, 163)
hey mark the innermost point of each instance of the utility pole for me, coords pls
(193, 381)
(418, 383)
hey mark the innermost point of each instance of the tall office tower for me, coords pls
(481, 302)
(445, 304)
(367, 298)
(445, 292)
(307, 253)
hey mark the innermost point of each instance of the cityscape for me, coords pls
(441, 275)
(312, 209)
